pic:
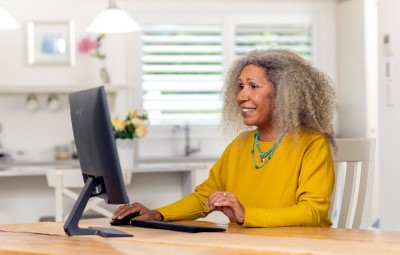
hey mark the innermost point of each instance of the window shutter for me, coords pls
(257, 36)
(182, 73)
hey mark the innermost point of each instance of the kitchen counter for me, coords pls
(23, 163)
(33, 168)
(171, 164)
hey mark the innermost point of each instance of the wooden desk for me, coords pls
(49, 238)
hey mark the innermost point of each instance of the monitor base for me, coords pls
(110, 232)
(71, 227)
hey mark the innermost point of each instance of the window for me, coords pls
(183, 65)
(295, 37)
(182, 73)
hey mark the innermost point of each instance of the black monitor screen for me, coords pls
(98, 158)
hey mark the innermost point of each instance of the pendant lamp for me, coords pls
(113, 20)
(7, 21)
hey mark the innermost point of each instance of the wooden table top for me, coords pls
(49, 238)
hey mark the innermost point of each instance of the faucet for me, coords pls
(1, 129)
(189, 150)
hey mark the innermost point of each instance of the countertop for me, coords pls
(171, 164)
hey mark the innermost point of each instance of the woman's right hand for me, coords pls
(228, 204)
(144, 212)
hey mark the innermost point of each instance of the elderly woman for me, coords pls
(278, 171)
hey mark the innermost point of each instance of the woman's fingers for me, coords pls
(216, 198)
(150, 215)
(119, 210)
(144, 213)
(124, 210)
(227, 203)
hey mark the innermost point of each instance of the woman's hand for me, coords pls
(144, 212)
(227, 203)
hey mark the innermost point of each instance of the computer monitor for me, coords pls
(98, 159)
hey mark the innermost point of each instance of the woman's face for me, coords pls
(256, 97)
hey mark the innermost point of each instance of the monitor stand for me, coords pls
(71, 227)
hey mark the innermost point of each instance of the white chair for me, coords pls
(354, 176)
(65, 181)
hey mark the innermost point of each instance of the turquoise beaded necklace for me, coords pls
(264, 156)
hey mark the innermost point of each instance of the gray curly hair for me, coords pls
(304, 96)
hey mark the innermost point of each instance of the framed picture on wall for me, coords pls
(51, 43)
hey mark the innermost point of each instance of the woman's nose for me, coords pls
(243, 94)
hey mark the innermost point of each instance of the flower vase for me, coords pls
(126, 155)
(104, 75)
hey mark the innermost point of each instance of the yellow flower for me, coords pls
(132, 114)
(133, 126)
(141, 131)
(137, 122)
(118, 124)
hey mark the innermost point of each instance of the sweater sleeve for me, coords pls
(315, 184)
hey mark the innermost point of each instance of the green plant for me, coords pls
(97, 53)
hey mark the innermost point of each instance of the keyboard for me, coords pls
(175, 226)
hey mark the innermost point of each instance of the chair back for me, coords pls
(351, 198)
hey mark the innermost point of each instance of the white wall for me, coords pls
(351, 69)
(389, 114)
(15, 70)
(357, 68)
(357, 76)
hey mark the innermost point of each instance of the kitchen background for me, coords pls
(344, 43)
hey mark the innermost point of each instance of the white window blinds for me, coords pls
(258, 36)
(182, 73)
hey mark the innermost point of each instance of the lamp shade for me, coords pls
(7, 21)
(113, 20)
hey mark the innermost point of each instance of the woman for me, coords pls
(280, 171)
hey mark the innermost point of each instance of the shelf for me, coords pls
(56, 89)
(35, 93)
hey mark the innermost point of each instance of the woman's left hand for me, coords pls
(227, 203)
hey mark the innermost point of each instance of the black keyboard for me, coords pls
(175, 226)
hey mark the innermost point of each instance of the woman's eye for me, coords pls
(240, 86)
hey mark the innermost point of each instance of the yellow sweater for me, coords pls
(293, 188)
